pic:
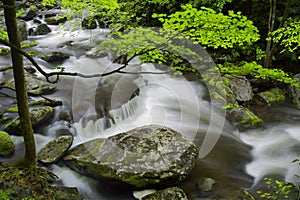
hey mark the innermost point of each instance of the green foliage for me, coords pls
(255, 70)
(212, 29)
(3, 34)
(213, 4)
(252, 119)
(29, 44)
(288, 37)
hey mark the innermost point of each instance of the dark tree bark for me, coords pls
(19, 78)
(268, 58)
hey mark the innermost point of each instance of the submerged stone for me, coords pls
(7, 146)
(145, 157)
(172, 193)
(38, 117)
(55, 149)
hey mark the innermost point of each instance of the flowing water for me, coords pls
(101, 107)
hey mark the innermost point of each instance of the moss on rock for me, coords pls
(7, 146)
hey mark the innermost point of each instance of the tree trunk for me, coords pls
(268, 58)
(19, 78)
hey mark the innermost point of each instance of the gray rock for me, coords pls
(55, 56)
(241, 87)
(172, 193)
(38, 117)
(55, 149)
(30, 69)
(34, 85)
(42, 29)
(96, 53)
(22, 30)
(145, 157)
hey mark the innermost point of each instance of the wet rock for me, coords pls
(172, 193)
(206, 184)
(42, 29)
(67, 193)
(96, 53)
(22, 30)
(55, 149)
(29, 14)
(7, 146)
(241, 88)
(30, 69)
(146, 157)
(243, 118)
(34, 85)
(270, 96)
(38, 117)
(55, 56)
(295, 92)
(89, 23)
(56, 20)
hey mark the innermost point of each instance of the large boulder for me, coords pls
(38, 116)
(55, 149)
(56, 20)
(7, 146)
(146, 157)
(29, 14)
(34, 85)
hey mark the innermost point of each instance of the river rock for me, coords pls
(42, 29)
(55, 56)
(55, 149)
(56, 20)
(241, 87)
(7, 146)
(146, 157)
(295, 92)
(206, 184)
(270, 96)
(38, 117)
(172, 193)
(67, 193)
(22, 30)
(29, 14)
(34, 85)
(243, 118)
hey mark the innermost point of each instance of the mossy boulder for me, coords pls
(56, 20)
(146, 157)
(273, 95)
(241, 88)
(42, 29)
(7, 146)
(55, 149)
(172, 193)
(243, 118)
(38, 116)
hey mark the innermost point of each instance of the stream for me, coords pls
(101, 107)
